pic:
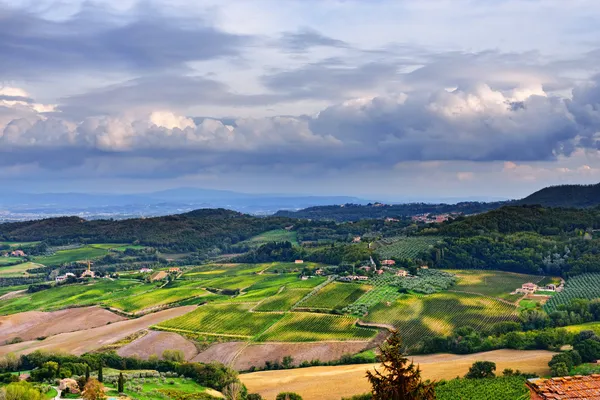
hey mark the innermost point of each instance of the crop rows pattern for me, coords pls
(335, 295)
(406, 247)
(585, 286)
(501, 388)
(283, 301)
(224, 319)
(439, 314)
(308, 327)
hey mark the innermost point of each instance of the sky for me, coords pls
(386, 100)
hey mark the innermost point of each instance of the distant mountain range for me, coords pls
(27, 206)
(24, 206)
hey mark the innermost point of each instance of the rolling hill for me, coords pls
(574, 196)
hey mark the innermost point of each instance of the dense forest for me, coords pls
(356, 212)
(580, 196)
(512, 219)
(193, 231)
(528, 239)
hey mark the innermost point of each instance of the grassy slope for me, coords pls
(491, 283)
(69, 296)
(277, 235)
(438, 314)
(72, 255)
(336, 295)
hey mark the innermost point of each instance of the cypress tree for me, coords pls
(100, 375)
(121, 383)
(87, 373)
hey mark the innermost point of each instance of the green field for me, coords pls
(156, 297)
(72, 255)
(222, 320)
(405, 247)
(417, 317)
(15, 245)
(308, 327)
(17, 270)
(588, 326)
(500, 388)
(585, 286)
(116, 246)
(277, 235)
(283, 301)
(69, 296)
(7, 289)
(10, 260)
(491, 283)
(335, 295)
(157, 389)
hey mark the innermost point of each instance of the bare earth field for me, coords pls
(257, 354)
(220, 352)
(155, 343)
(91, 339)
(347, 380)
(34, 324)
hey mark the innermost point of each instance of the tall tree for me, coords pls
(100, 373)
(400, 379)
(121, 384)
(87, 372)
(94, 390)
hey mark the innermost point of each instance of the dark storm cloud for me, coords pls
(95, 39)
(306, 39)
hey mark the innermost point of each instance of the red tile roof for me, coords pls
(567, 387)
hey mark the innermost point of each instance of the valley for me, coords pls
(288, 299)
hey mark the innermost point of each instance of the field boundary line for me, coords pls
(281, 289)
(313, 292)
(238, 354)
(166, 329)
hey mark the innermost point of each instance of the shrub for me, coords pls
(288, 396)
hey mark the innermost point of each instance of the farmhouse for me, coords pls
(565, 388)
(62, 278)
(527, 288)
(388, 262)
(319, 272)
(145, 270)
(402, 273)
(18, 253)
(356, 239)
(299, 261)
(175, 270)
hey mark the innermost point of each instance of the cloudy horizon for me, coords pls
(382, 99)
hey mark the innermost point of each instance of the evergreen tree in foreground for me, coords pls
(121, 383)
(87, 373)
(399, 380)
(100, 374)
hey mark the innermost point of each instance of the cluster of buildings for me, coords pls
(432, 218)
(14, 253)
(531, 288)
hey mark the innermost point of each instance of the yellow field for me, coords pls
(333, 383)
